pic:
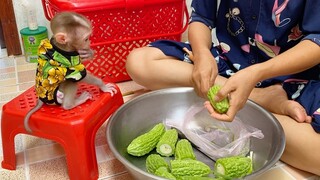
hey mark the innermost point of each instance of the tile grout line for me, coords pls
(43, 160)
(26, 164)
(17, 84)
(113, 175)
(287, 173)
(16, 72)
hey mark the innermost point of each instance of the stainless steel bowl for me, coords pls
(143, 112)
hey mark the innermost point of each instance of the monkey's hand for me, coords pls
(110, 88)
(86, 54)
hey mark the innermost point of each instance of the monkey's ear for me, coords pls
(61, 38)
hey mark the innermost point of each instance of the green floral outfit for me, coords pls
(54, 67)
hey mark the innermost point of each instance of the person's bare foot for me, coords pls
(274, 99)
(295, 111)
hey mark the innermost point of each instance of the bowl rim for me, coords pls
(123, 160)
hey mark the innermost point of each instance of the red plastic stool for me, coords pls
(74, 129)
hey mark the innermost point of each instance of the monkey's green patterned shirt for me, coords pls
(54, 67)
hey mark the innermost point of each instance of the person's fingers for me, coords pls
(216, 115)
(206, 85)
(231, 113)
(223, 93)
(196, 87)
(208, 106)
(221, 117)
(308, 119)
(188, 52)
(234, 106)
(204, 88)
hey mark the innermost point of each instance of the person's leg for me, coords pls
(274, 99)
(302, 143)
(150, 67)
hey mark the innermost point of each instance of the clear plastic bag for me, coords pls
(215, 138)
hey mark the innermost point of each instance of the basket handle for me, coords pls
(134, 4)
(46, 7)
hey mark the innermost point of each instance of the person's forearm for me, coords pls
(303, 56)
(199, 36)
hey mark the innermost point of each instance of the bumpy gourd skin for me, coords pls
(154, 162)
(222, 106)
(184, 150)
(146, 142)
(167, 143)
(199, 178)
(189, 167)
(233, 167)
(163, 172)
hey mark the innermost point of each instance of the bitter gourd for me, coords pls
(189, 167)
(233, 167)
(154, 162)
(198, 178)
(163, 172)
(184, 150)
(146, 142)
(221, 106)
(167, 143)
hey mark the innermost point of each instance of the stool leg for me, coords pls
(8, 147)
(81, 158)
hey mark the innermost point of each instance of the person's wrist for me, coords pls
(257, 73)
(200, 53)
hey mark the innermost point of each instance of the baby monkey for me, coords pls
(60, 67)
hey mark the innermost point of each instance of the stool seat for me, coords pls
(74, 129)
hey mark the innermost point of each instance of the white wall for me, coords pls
(21, 16)
(20, 13)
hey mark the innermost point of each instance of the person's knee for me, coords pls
(130, 60)
(135, 63)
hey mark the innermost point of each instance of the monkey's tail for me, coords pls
(26, 119)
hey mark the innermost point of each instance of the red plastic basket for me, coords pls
(119, 26)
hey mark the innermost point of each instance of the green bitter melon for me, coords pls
(233, 167)
(189, 167)
(167, 143)
(146, 142)
(154, 162)
(221, 106)
(163, 172)
(184, 150)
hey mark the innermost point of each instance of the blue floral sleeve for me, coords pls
(204, 11)
(311, 21)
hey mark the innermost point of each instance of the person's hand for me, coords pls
(204, 71)
(237, 88)
(86, 54)
(204, 74)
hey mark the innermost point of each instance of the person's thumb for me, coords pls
(221, 94)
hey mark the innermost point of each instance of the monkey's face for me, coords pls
(81, 39)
